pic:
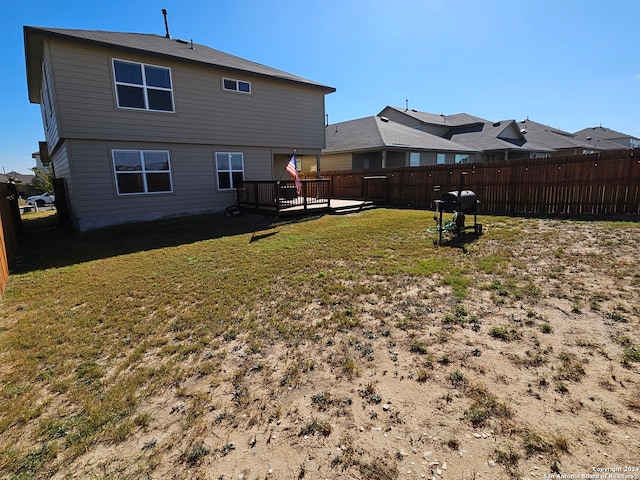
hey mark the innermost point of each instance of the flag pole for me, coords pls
(292, 168)
(285, 165)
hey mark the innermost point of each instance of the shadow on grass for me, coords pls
(459, 241)
(45, 245)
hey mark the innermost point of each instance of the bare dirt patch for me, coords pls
(530, 368)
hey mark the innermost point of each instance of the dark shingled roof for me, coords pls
(149, 44)
(605, 138)
(601, 133)
(550, 137)
(489, 136)
(455, 120)
(371, 133)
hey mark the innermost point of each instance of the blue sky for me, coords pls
(565, 63)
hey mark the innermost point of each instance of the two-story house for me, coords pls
(144, 126)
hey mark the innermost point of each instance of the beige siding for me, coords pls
(97, 204)
(308, 164)
(275, 114)
(336, 162)
(48, 105)
(60, 162)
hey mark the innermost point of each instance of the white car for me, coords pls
(42, 199)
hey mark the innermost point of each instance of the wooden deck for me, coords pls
(334, 206)
(280, 198)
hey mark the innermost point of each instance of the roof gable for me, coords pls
(508, 130)
(149, 44)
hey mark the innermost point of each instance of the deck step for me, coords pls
(353, 208)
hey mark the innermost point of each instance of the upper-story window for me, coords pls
(144, 87)
(236, 85)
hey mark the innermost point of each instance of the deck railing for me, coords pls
(280, 196)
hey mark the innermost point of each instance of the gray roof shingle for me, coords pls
(151, 44)
(455, 120)
(601, 133)
(606, 139)
(489, 136)
(550, 137)
(371, 133)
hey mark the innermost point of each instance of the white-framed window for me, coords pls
(236, 85)
(441, 159)
(143, 87)
(142, 171)
(414, 159)
(229, 170)
(462, 158)
(539, 155)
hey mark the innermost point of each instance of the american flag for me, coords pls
(292, 168)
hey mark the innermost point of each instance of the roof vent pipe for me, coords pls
(166, 24)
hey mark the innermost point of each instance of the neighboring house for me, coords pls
(562, 143)
(146, 126)
(15, 177)
(496, 140)
(502, 140)
(377, 142)
(22, 182)
(606, 139)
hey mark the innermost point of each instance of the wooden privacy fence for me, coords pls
(11, 228)
(600, 183)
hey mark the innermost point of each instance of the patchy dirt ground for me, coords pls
(532, 371)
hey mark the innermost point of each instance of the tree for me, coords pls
(43, 179)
